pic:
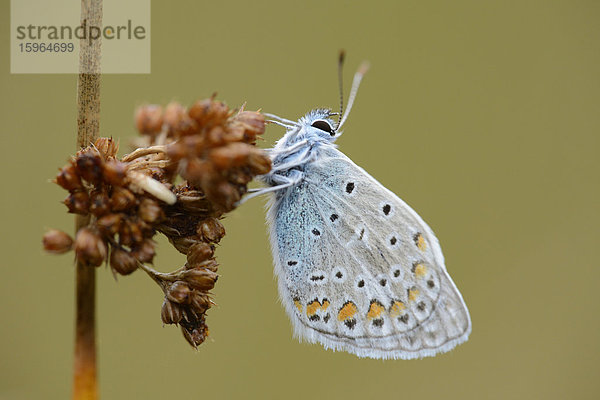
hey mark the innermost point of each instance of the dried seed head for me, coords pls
(211, 230)
(150, 211)
(179, 292)
(78, 202)
(89, 247)
(114, 172)
(122, 261)
(68, 178)
(149, 119)
(201, 279)
(132, 199)
(199, 253)
(57, 242)
(170, 313)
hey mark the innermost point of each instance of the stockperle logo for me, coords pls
(46, 36)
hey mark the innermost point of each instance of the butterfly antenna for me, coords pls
(341, 86)
(362, 70)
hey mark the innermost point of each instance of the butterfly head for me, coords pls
(318, 126)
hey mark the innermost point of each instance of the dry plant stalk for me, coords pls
(85, 384)
(208, 147)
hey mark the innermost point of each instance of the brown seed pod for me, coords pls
(89, 247)
(176, 151)
(209, 112)
(170, 313)
(125, 238)
(195, 336)
(144, 251)
(252, 123)
(150, 211)
(259, 162)
(68, 178)
(217, 136)
(199, 253)
(99, 203)
(121, 199)
(89, 165)
(110, 224)
(114, 172)
(149, 119)
(211, 230)
(232, 155)
(78, 202)
(183, 244)
(210, 265)
(199, 302)
(122, 261)
(201, 279)
(179, 292)
(197, 170)
(57, 242)
(225, 195)
(178, 121)
(136, 231)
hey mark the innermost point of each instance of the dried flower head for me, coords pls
(210, 149)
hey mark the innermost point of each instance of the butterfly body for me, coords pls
(358, 270)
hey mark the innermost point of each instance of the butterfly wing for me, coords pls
(359, 270)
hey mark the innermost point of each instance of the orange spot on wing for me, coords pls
(397, 308)
(420, 242)
(298, 305)
(375, 310)
(412, 294)
(315, 305)
(420, 270)
(347, 311)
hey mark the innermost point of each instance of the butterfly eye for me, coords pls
(324, 126)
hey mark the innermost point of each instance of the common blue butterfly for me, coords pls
(358, 270)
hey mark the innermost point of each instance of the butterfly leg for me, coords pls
(299, 159)
(280, 181)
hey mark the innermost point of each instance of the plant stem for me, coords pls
(85, 385)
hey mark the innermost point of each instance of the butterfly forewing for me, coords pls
(359, 270)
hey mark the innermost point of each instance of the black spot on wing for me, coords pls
(349, 187)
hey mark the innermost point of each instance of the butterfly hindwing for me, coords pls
(359, 270)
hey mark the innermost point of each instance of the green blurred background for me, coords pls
(481, 115)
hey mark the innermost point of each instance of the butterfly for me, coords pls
(358, 270)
